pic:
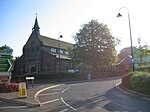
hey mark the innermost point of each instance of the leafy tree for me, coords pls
(95, 46)
(6, 49)
(142, 52)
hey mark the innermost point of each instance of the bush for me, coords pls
(6, 87)
(143, 69)
(140, 82)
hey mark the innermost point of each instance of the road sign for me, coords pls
(5, 65)
(5, 76)
(5, 73)
(9, 65)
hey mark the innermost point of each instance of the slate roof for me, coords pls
(54, 42)
(126, 60)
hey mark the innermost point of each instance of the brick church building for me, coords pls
(42, 54)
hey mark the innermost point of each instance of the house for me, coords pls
(42, 54)
(125, 63)
(139, 57)
(125, 59)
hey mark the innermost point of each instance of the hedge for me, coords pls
(50, 77)
(143, 69)
(60, 75)
(140, 82)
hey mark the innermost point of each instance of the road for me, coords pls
(6, 106)
(92, 96)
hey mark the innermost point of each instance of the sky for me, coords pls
(17, 19)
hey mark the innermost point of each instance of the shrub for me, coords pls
(140, 82)
(143, 68)
(7, 87)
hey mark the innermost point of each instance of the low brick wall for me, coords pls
(126, 81)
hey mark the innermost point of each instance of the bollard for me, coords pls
(22, 90)
(89, 76)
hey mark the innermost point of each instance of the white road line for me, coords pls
(49, 94)
(68, 104)
(50, 101)
(65, 89)
(35, 96)
(57, 89)
(145, 98)
(64, 110)
(13, 107)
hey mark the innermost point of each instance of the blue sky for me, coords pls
(66, 16)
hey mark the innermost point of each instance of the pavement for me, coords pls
(31, 101)
(131, 92)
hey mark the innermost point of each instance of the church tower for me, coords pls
(31, 50)
(41, 54)
(36, 25)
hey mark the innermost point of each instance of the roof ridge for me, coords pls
(55, 39)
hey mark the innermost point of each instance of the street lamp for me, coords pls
(119, 15)
(60, 36)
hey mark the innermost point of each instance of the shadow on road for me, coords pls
(122, 102)
(112, 100)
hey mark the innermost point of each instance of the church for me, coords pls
(42, 54)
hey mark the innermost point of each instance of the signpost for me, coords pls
(5, 67)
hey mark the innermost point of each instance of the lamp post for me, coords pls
(60, 36)
(119, 15)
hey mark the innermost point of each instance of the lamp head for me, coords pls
(60, 36)
(119, 15)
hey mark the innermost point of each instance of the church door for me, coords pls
(33, 69)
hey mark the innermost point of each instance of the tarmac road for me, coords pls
(91, 96)
(94, 96)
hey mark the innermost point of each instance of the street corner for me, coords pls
(131, 92)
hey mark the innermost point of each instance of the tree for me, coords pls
(142, 52)
(6, 49)
(95, 46)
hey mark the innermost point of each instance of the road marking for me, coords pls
(68, 104)
(1, 101)
(65, 89)
(49, 94)
(50, 101)
(57, 89)
(13, 107)
(64, 110)
(35, 96)
(145, 98)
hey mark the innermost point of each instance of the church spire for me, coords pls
(36, 25)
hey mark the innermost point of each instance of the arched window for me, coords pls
(33, 69)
